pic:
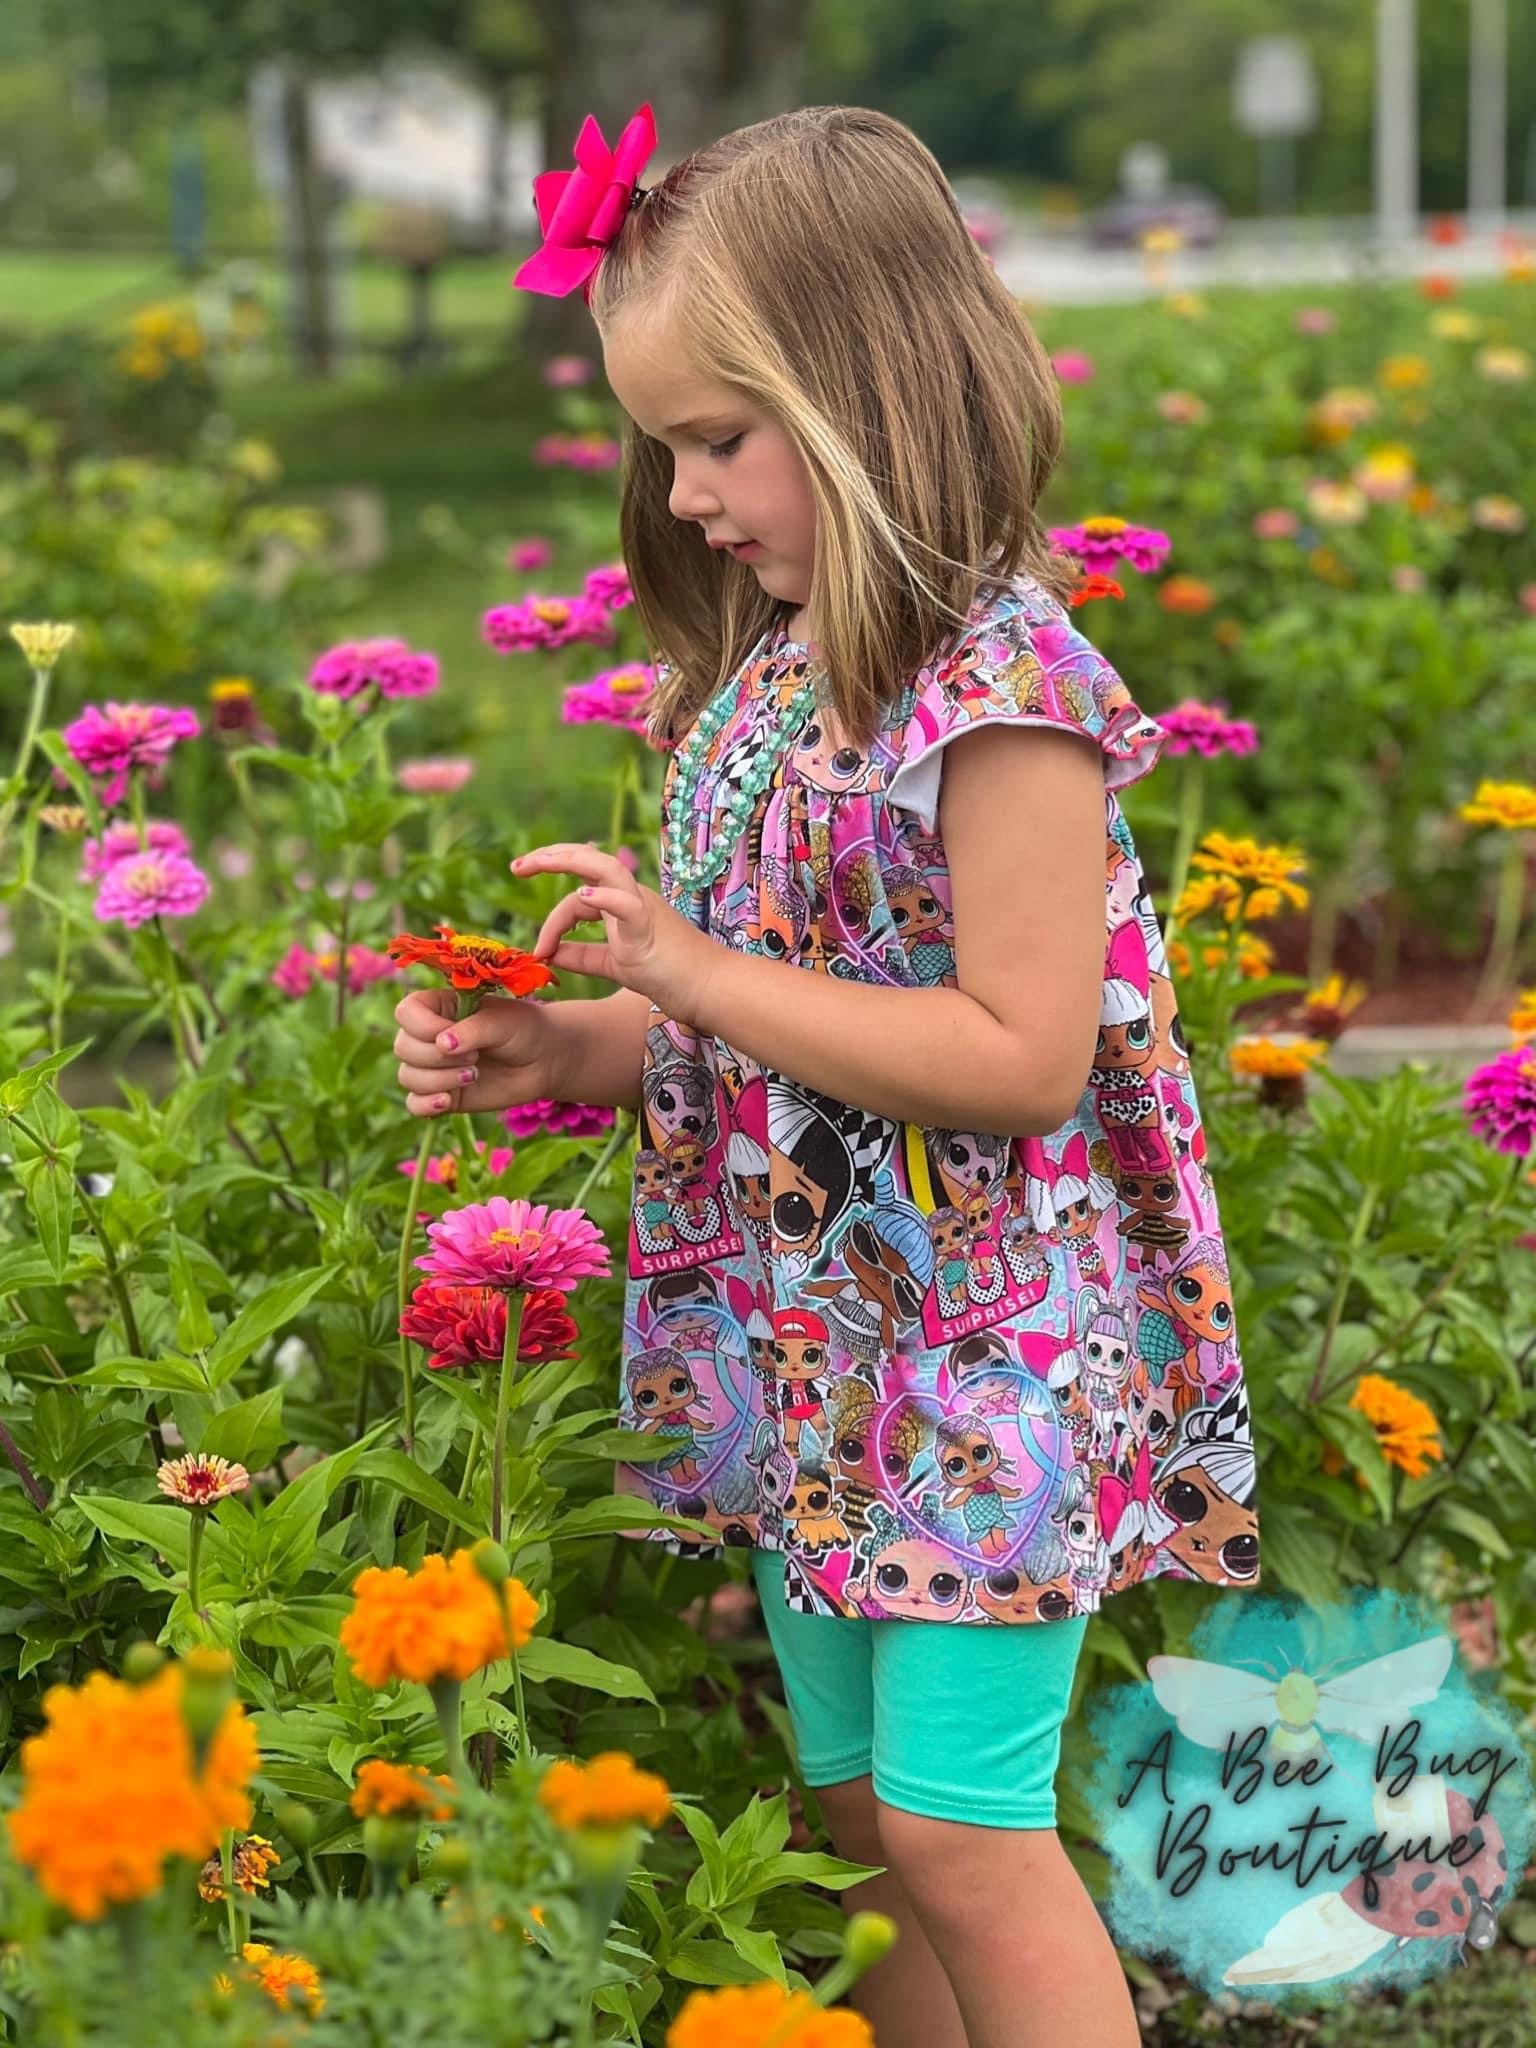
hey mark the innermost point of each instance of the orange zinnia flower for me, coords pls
(443, 1622)
(113, 1788)
(470, 961)
(280, 1976)
(608, 1792)
(752, 2015)
(1093, 587)
(1187, 594)
(1405, 1426)
(249, 1863)
(386, 1789)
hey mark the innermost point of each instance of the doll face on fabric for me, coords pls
(736, 473)
(1012, 1596)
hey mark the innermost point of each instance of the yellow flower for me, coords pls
(1387, 472)
(249, 1863)
(764, 2016)
(1329, 1008)
(1280, 1070)
(67, 819)
(386, 1789)
(1255, 956)
(1521, 267)
(1336, 504)
(1266, 871)
(1163, 241)
(1337, 413)
(1509, 804)
(443, 1622)
(1404, 373)
(1186, 305)
(1454, 325)
(1522, 1018)
(1405, 1426)
(113, 1788)
(257, 460)
(283, 1976)
(608, 1792)
(1208, 892)
(1504, 365)
(42, 643)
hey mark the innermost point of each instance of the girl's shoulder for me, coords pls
(1019, 659)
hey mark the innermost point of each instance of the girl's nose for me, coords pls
(689, 498)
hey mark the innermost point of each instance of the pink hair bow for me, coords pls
(1115, 1496)
(581, 211)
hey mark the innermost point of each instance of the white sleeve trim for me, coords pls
(915, 785)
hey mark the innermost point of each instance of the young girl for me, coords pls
(887, 970)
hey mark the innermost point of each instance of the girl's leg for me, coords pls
(967, 1740)
(824, 1661)
(1020, 1939)
(907, 1997)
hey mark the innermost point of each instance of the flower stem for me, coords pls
(1498, 970)
(515, 1305)
(40, 678)
(227, 1861)
(1191, 803)
(471, 1460)
(623, 1123)
(194, 1558)
(1357, 1236)
(403, 1290)
(445, 1704)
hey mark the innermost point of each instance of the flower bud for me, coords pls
(297, 1822)
(141, 1661)
(388, 1841)
(868, 1937)
(491, 1561)
(208, 1687)
(453, 1859)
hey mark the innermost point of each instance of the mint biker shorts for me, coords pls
(958, 1723)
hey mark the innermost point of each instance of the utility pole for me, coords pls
(1397, 120)
(1488, 71)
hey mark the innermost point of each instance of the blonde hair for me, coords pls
(818, 265)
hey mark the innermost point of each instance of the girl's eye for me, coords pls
(720, 449)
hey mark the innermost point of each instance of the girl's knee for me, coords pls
(951, 1868)
(850, 1811)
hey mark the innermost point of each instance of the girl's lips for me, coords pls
(744, 550)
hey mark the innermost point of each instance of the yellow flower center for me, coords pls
(1103, 525)
(530, 1238)
(551, 611)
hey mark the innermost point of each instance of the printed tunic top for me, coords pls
(954, 1376)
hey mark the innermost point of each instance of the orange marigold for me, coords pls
(249, 1864)
(113, 1788)
(608, 1792)
(385, 1789)
(282, 1977)
(1187, 594)
(1509, 804)
(1405, 1426)
(1522, 1018)
(442, 1622)
(755, 2015)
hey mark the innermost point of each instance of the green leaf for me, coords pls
(1476, 1527)
(249, 1433)
(139, 1521)
(759, 1948)
(711, 1962)
(157, 1375)
(49, 1181)
(631, 1446)
(615, 1512)
(796, 1866)
(194, 1325)
(545, 1658)
(262, 1318)
(407, 1477)
(17, 1090)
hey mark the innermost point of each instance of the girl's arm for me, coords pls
(599, 1049)
(1021, 815)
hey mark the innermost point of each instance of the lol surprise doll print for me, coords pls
(898, 1027)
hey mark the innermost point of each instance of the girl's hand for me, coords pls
(649, 946)
(506, 1049)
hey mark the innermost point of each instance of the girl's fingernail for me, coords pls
(449, 1042)
(584, 890)
(466, 1075)
(440, 1102)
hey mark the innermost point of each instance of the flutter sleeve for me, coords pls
(1023, 664)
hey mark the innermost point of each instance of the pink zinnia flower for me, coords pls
(629, 857)
(1409, 578)
(146, 885)
(618, 696)
(294, 974)
(109, 743)
(549, 450)
(118, 841)
(547, 622)
(1100, 543)
(1528, 598)
(500, 1243)
(532, 553)
(609, 585)
(436, 776)
(396, 671)
(443, 1170)
(593, 451)
(1279, 522)
(365, 966)
(565, 1119)
(564, 373)
(1072, 366)
(1500, 1100)
(1314, 320)
(1193, 727)
(468, 1325)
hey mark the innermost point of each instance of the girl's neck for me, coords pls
(797, 626)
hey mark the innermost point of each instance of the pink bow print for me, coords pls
(1115, 1496)
(581, 211)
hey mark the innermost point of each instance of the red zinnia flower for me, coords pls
(468, 1325)
(470, 961)
(1093, 587)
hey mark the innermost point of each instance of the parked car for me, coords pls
(1196, 214)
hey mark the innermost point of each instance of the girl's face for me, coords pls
(736, 473)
